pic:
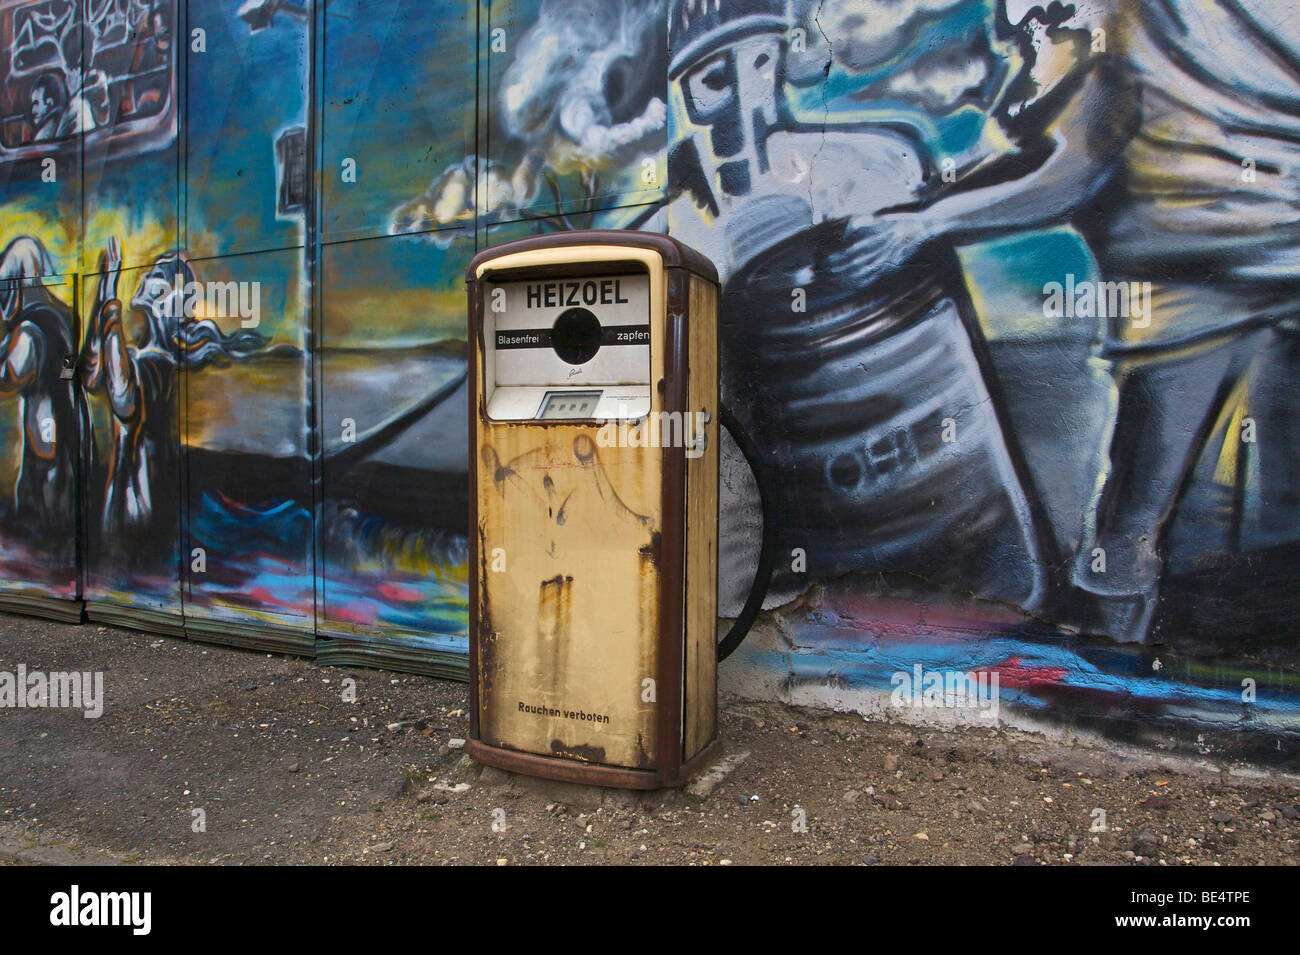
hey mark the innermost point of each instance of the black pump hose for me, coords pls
(767, 556)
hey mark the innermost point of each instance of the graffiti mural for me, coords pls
(46, 417)
(1009, 320)
(1007, 306)
(391, 526)
(849, 376)
(573, 135)
(247, 537)
(576, 120)
(95, 73)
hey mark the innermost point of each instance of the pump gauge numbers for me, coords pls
(569, 404)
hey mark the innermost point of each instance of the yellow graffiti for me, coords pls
(1225, 471)
(143, 237)
(56, 233)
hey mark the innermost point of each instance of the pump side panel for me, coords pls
(701, 656)
(569, 583)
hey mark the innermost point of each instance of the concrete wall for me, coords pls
(1008, 318)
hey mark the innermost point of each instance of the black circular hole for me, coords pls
(575, 336)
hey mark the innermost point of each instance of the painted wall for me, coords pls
(1009, 317)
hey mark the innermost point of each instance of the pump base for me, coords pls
(590, 774)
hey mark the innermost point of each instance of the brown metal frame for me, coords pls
(679, 263)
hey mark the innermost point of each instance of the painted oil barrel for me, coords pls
(869, 406)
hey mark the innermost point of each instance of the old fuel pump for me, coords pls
(593, 422)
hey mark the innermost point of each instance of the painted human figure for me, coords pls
(146, 95)
(747, 165)
(847, 384)
(1175, 156)
(37, 338)
(87, 89)
(46, 110)
(139, 378)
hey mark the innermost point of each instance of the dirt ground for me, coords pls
(284, 770)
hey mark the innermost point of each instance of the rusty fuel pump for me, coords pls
(593, 421)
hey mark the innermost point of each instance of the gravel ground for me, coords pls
(267, 755)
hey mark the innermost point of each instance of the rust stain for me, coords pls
(642, 757)
(554, 609)
(647, 618)
(588, 754)
(486, 637)
(554, 599)
(487, 644)
(651, 550)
